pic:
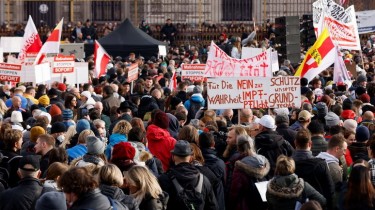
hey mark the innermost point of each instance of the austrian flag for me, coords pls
(318, 58)
(101, 60)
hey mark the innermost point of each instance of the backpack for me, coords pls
(193, 109)
(191, 198)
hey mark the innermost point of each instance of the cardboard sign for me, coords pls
(133, 72)
(10, 72)
(275, 61)
(260, 92)
(248, 52)
(42, 73)
(80, 75)
(11, 44)
(365, 20)
(193, 72)
(219, 64)
(63, 64)
(162, 50)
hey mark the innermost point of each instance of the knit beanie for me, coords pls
(58, 127)
(350, 125)
(35, 132)
(362, 134)
(332, 119)
(322, 109)
(67, 114)
(361, 78)
(54, 110)
(61, 87)
(123, 151)
(51, 201)
(16, 117)
(347, 104)
(44, 100)
(161, 120)
(82, 125)
(94, 145)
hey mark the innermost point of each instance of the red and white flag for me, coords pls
(31, 40)
(52, 45)
(342, 2)
(101, 60)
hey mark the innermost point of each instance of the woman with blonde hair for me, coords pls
(286, 188)
(120, 134)
(236, 50)
(3, 109)
(188, 133)
(144, 187)
(110, 181)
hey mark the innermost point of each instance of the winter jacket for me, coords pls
(89, 104)
(114, 139)
(197, 97)
(95, 200)
(109, 102)
(173, 125)
(296, 126)
(23, 196)
(77, 151)
(243, 192)
(150, 203)
(270, 144)
(316, 172)
(117, 194)
(283, 192)
(187, 176)
(287, 133)
(334, 166)
(319, 144)
(358, 150)
(160, 144)
(214, 163)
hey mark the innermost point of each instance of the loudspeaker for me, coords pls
(288, 39)
(294, 58)
(287, 20)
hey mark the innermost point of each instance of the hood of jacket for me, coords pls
(155, 133)
(90, 103)
(186, 174)
(116, 138)
(328, 157)
(254, 166)
(286, 186)
(173, 125)
(112, 191)
(269, 140)
(197, 97)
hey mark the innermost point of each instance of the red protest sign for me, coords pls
(193, 72)
(10, 72)
(63, 64)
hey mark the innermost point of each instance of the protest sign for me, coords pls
(365, 20)
(275, 61)
(133, 72)
(248, 52)
(42, 73)
(341, 23)
(219, 64)
(12, 59)
(29, 59)
(11, 44)
(80, 74)
(63, 64)
(260, 92)
(10, 72)
(1, 55)
(193, 72)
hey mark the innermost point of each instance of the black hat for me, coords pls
(58, 127)
(53, 92)
(182, 148)
(32, 160)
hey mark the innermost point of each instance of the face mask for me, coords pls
(7, 92)
(61, 138)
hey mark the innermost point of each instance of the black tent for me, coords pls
(126, 39)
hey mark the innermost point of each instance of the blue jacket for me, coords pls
(77, 151)
(8, 102)
(197, 97)
(114, 139)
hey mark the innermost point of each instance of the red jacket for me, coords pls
(160, 143)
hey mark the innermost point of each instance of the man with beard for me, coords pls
(44, 144)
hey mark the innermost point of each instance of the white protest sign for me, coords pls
(1, 55)
(193, 72)
(28, 73)
(257, 92)
(80, 74)
(219, 64)
(365, 20)
(162, 50)
(10, 72)
(11, 44)
(133, 72)
(63, 64)
(341, 23)
(248, 52)
(29, 59)
(275, 61)
(42, 73)
(12, 59)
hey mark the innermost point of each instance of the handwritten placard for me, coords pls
(219, 64)
(10, 72)
(193, 72)
(260, 92)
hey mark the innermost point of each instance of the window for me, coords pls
(106, 10)
(237, 10)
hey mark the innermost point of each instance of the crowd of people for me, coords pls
(110, 145)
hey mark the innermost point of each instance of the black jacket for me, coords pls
(117, 194)
(358, 150)
(95, 200)
(150, 203)
(270, 144)
(187, 176)
(287, 133)
(23, 196)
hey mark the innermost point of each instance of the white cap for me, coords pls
(86, 93)
(267, 121)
